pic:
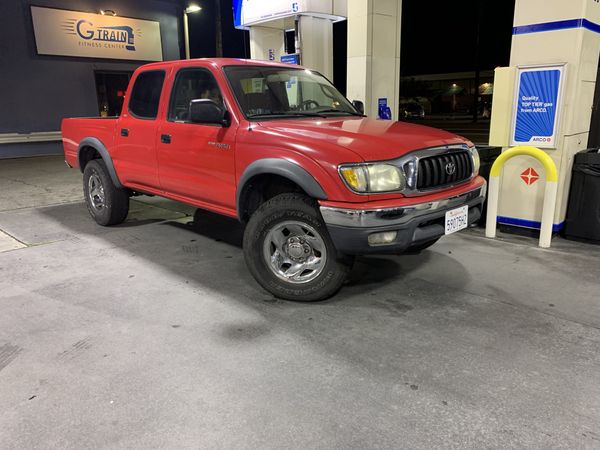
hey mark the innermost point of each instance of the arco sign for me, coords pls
(538, 106)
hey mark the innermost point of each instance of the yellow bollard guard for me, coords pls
(549, 196)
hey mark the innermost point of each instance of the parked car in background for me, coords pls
(279, 148)
(412, 111)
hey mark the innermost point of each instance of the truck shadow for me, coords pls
(207, 234)
(178, 265)
(366, 273)
(216, 227)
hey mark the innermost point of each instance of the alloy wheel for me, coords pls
(295, 252)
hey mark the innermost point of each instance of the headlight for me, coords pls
(366, 178)
(476, 160)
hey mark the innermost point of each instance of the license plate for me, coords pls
(457, 219)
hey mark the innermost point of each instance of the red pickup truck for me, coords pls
(279, 148)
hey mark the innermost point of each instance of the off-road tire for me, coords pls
(297, 208)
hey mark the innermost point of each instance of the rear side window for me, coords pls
(145, 95)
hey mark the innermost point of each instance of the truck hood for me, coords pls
(371, 140)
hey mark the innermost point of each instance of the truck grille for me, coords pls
(443, 170)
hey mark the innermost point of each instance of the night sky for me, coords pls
(202, 32)
(438, 36)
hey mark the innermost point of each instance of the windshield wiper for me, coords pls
(332, 110)
(306, 113)
(287, 114)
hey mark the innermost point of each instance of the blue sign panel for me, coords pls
(537, 107)
(384, 111)
(291, 59)
(237, 13)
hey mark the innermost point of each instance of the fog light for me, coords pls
(385, 238)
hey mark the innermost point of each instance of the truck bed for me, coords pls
(76, 129)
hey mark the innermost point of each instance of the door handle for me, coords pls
(124, 132)
(165, 138)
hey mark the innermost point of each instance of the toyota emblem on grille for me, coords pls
(450, 168)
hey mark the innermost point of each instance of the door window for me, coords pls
(192, 84)
(145, 95)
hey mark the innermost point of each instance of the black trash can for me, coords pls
(583, 213)
(488, 156)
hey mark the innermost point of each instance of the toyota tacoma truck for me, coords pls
(278, 147)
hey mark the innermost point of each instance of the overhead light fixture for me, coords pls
(192, 9)
(108, 12)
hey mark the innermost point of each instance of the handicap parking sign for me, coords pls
(384, 112)
(295, 7)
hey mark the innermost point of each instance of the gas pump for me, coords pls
(312, 21)
(544, 99)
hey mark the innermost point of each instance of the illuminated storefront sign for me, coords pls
(73, 33)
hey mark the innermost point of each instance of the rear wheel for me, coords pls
(289, 252)
(106, 203)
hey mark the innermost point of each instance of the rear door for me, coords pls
(135, 150)
(196, 161)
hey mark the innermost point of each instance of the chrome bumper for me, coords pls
(372, 218)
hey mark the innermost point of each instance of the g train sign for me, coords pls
(73, 33)
(119, 36)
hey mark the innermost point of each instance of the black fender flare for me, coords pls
(283, 168)
(97, 145)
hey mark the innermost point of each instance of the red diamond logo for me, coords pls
(530, 176)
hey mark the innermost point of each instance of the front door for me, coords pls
(196, 161)
(135, 150)
(111, 88)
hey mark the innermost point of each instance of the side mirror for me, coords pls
(207, 111)
(360, 106)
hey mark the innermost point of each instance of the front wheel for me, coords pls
(289, 252)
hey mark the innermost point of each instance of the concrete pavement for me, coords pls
(153, 334)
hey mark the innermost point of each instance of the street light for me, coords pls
(192, 9)
(186, 31)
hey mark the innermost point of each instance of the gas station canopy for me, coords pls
(281, 13)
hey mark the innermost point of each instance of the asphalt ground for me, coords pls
(152, 334)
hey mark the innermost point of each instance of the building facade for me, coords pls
(64, 58)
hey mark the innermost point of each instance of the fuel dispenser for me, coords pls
(544, 99)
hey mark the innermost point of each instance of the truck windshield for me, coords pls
(277, 92)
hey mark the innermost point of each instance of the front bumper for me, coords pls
(415, 224)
